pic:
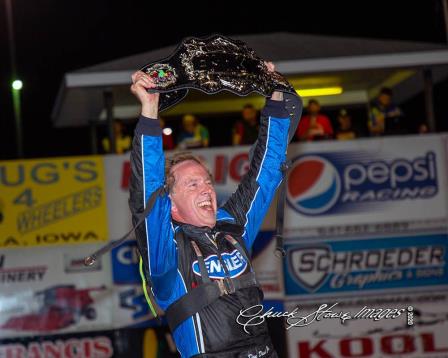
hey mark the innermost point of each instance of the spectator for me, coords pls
(193, 135)
(122, 141)
(423, 128)
(167, 135)
(385, 117)
(345, 130)
(314, 125)
(245, 131)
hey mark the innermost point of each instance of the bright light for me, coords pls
(167, 131)
(316, 92)
(17, 85)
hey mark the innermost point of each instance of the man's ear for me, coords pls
(173, 204)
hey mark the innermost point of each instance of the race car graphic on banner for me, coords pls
(59, 307)
(48, 290)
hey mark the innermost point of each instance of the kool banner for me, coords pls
(386, 326)
(52, 201)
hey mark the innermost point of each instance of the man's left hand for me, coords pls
(276, 96)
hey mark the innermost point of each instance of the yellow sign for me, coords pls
(52, 202)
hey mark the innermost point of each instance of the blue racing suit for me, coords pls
(172, 264)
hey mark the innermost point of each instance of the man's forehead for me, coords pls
(189, 168)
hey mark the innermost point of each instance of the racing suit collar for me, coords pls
(220, 227)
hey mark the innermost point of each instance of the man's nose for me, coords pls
(206, 189)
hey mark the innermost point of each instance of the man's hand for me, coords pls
(276, 96)
(149, 101)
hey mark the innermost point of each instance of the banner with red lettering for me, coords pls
(389, 325)
(124, 343)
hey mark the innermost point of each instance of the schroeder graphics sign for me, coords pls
(365, 265)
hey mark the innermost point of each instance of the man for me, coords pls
(345, 130)
(122, 141)
(194, 253)
(246, 131)
(385, 116)
(193, 134)
(314, 125)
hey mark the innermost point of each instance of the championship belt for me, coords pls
(216, 64)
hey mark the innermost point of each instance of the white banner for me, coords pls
(369, 185)
(49, 290)
(400, 326)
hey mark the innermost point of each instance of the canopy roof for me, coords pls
(361, 66)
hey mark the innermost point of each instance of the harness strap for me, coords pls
(280, 217)
(204, 273)
(204, 295)
(90, 260)
(240, 249)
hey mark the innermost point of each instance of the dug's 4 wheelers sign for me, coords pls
(52, 202)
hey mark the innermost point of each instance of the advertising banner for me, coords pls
(124, 343)
(366, 186)
(386, 326)
(52, 202)
(49, 290)
(363, 266)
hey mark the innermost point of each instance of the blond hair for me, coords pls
(178, 158)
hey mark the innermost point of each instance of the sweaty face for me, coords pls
(193, 198)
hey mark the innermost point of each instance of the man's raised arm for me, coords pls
(251, 201)
(155, 237)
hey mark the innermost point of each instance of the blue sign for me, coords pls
(367, 264)
(125, 261)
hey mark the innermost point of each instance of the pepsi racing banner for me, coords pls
(367, 182)
(335, 268)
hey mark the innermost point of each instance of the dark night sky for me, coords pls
(56, 36)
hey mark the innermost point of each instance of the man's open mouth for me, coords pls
(206, 205)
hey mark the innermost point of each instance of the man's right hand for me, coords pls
(141, 82)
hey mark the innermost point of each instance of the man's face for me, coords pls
(249, 114)
(193, 198)
(384, 99)
(313, 108)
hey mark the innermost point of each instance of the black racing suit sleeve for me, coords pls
(250, 202)
(155, 238)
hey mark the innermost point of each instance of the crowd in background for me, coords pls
(384, 117)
